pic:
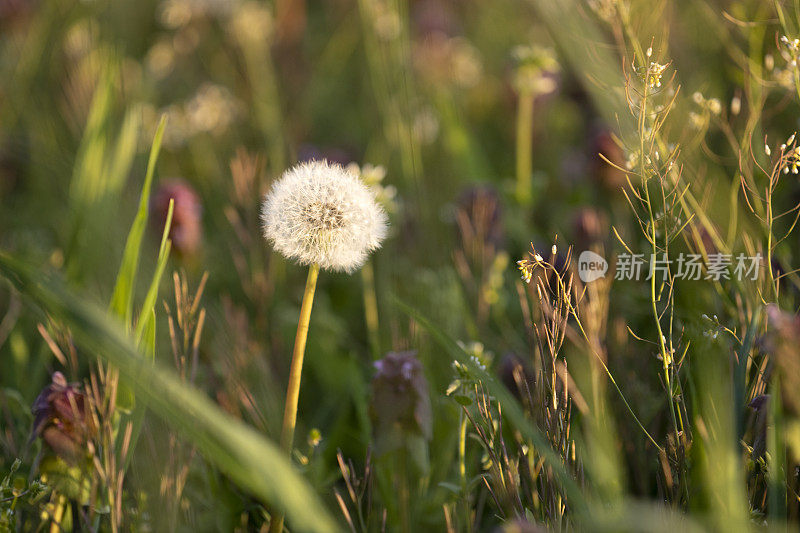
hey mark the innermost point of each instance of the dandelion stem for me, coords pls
(524, 142)
(295, 372)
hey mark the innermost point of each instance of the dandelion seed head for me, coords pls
(318, 212)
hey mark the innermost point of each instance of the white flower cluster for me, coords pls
(373, 176)
(320, 213)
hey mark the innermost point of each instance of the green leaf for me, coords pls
(148, 307)
(87, 178)
(236, 449)
(145, 337)
(124, 151)
(101, 169)
(452, 487)
(466, 401)
(122, 299)
(147, 318)
(740, 372)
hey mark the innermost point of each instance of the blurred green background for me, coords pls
(487, 118)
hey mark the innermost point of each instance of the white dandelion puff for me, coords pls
(319, 213)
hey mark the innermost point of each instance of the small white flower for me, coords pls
(320, 213)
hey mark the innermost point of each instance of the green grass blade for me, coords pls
(124, 151)
(122, 299)
(740, 372)
(235, 448)
(86, 185)
(147, 313)
(776, 447)
(146, 325)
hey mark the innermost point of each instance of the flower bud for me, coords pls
(62, 420)
(400, 404)
(186, 231)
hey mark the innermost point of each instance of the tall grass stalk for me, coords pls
(524, 147)
(565, 292)
(666, 357)
(389, 71)
(371, 309)
(777, 452)
(261, 74)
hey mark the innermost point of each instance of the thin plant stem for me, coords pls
(387, 65)
(776, 477)
(295, 372)
(462, 469)
(371, 308)
(403, 496)
(574, 312)
(261, 73)
(665, 357)
(524, 191)
(770, 246)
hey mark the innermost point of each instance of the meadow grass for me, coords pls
(464, 369)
